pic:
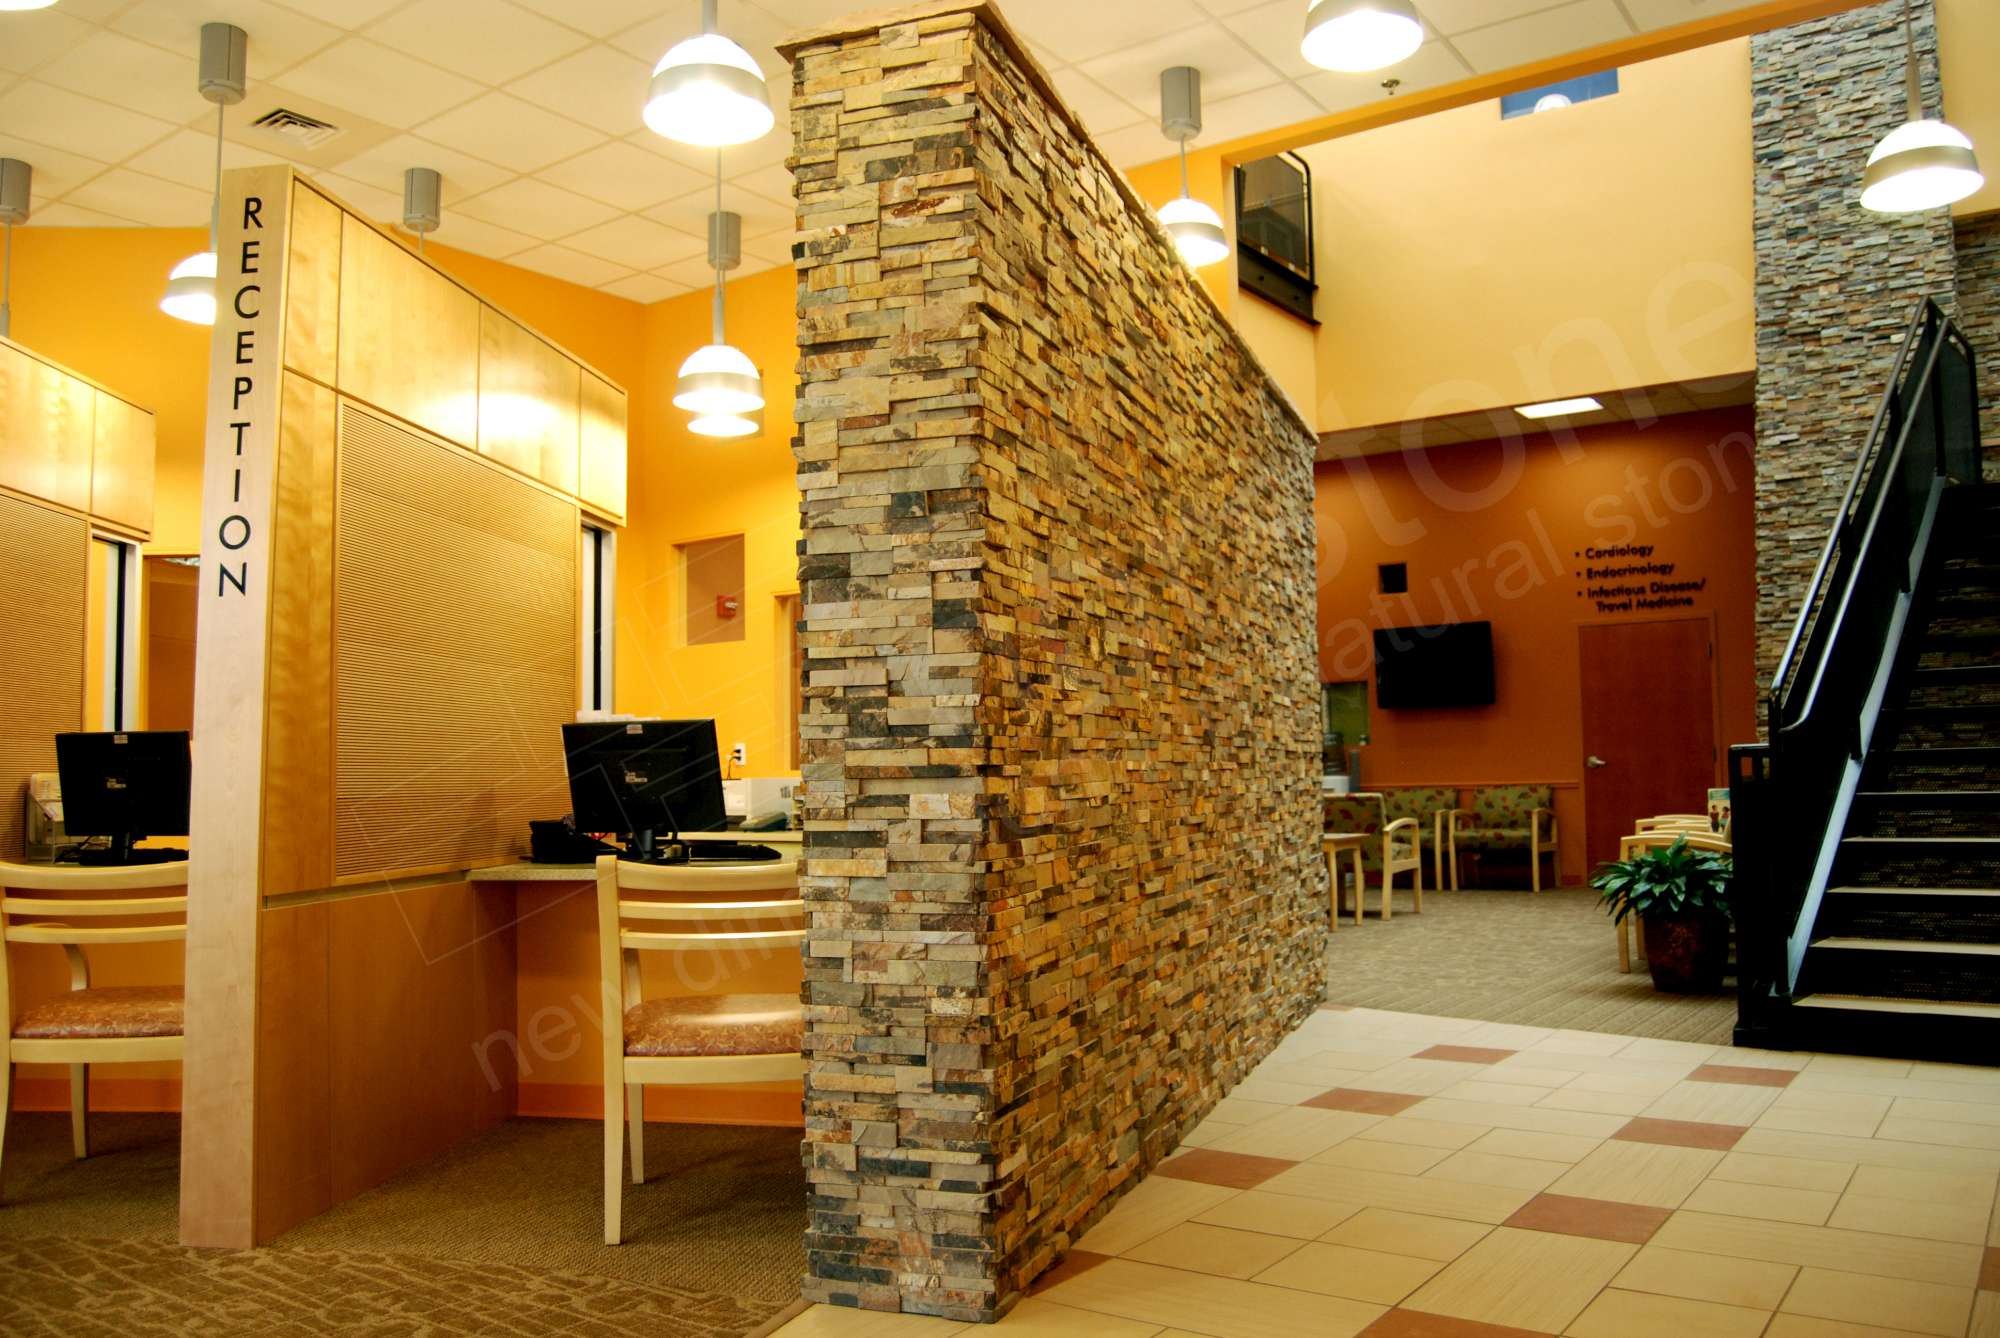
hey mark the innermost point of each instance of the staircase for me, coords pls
(1868, 828)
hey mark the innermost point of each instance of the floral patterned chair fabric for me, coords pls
(1400, 845)
(1507, 817)
(1431, 806)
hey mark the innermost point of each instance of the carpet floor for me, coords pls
(502, 1237)
(1546, 959)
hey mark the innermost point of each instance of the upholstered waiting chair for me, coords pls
(1428, 806)
(117, 1024)
(1657, 837)
(1392, 846)
(1508, 817)
(737, 910)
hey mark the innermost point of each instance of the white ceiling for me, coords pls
(530, 108)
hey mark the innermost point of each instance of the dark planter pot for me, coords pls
(1687, 954)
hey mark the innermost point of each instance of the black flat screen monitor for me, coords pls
(127, 785)
(644, 779)
(1441, 666)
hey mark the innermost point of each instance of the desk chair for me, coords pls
(116, 1024)
(700, 1039)
(1657, 838)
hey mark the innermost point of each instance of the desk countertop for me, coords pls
(92, 878)
(524, 872)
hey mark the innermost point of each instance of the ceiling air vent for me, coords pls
(296, 128)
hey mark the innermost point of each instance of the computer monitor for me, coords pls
(127, 785)
(644, 779)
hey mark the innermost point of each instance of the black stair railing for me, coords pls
(1788, 793)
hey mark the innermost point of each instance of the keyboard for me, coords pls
(715, 852)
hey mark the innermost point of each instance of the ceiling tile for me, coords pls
(751, 28)
(131, 73)
(347, 13)
(537, 208)
(487, 40)
(64, 120)
(773, 183)
(571, 265)
(52, 173)
(1076, 32)
(1666, 13)
(695, 272)
(1227, 66)
(374, 203)
(143, 199)
(387, 86)
(1221, 8)
(188, 158)
(644, 289)
(637, 243)
(480, 237)
(1135, 144)
(773, 248)
(775, 147)
(64, 215)
(622, 174)
(1435, 63)
(1457, 16)
(600, 86)
(599, 18)
(690, 213)
(279, 38)
(1099, 108)
(39, 35)
(506, 130)
(1564, 29)
(1248, 113)
(383, 165)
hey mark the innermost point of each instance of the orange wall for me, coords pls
(1494, 531)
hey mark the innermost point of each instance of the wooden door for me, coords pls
(1648, 725)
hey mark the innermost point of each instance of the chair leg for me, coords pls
(635, 1119)
(6, 1103)
(614, 1152)
(1624, 947)
(1535, 868)
(79, 1109)
(1388, 887)
(1333, 884)
(1454, 864)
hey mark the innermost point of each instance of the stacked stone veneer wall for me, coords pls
(1979, 316)
(1836, 285)
(1062, 704)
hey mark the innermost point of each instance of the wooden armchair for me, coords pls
(699, 1039)
(116, 1024)
(1391, 847)
(1508, 817)
(1657, 838)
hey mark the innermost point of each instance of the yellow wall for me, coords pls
(1968, 54)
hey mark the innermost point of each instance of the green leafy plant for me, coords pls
(1676, 880)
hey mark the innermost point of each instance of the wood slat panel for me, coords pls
(46, 422)
(603, 450)
(312, 286)
(455, 661)
(121, 476)
(409, 337)
(527, 402)
(44, 566)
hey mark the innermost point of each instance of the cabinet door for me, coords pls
(527, 402)
(121, 479)
(603, 487)
(409, 337)
(46, 422)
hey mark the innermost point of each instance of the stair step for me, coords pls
(1921, 841)
(1909, 945)
(1921, 914)
(1955, 768)
(1973, 893)
(1926, 813)
(1902, 968)
(1871, 1004)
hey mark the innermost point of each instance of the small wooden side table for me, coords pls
(1334, 845)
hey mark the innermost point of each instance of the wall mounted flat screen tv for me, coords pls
(1450, 664)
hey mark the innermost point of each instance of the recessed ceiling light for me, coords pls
(1560, 408)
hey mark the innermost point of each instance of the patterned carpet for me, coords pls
(1545, 959)
(500, 1238)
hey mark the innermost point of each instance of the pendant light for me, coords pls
(15, 177)
(1195, 228)
(1923, 163)
(221, 78)
(708, 91)
(422, 212)
(719, 384)
(1355, 36)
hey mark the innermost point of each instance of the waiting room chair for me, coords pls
(1657, 838)
(1429, 806)
(1392, 848)
(110, 1024)
(690, 1039)
(1508, 817)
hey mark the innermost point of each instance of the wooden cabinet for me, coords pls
(46, 423)
(312, 287)
(121, 475)
(527, 402)
(602, 487)
(409, 337)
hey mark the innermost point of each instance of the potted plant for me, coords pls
(1683, 896)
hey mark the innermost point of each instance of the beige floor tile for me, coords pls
(1647, 1173)
(1967, 1189)
(1507, 1093)
(1570, 1148)
(1225, 1252)
(834, 1321)
(1623, 1314)
(1219, 1307)
(1899, 1068)
(1278, 1214)
(1957, 1112)
(1678, 1051)
(1407, 1128)
(1945, 1132)
(1972, 1075)
(1801, 1326)
(1360, 1060)
(1153, 1205)
(1392, 1232)
(1925, 1307)
(1885, 1149)
(1752, 1058)
(1535, 1119)
(1205, 1135)
(1488, 1168)
(1423, 1077)
(1426, 1194)
(1507, 1035)
(1038, 1318)
(1653, 1085)
(1811, 1206)
(1599, 1103)
(1707, 1277)
(1854, 1114)
(1342, 1270)
(1313, 1073)
(1750, 1168)
(1874, 1253)
(1712, 1103)
(1366, 1154)
(1534, 1280)
(1873, 1084)
(1901, 1217)
(1271, 1090)
(1526, 1069)
(1235, 1109)
(1581, 1043)
(1296, 1134)
(1985, 1316)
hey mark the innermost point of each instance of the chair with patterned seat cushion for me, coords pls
(731, 909)
(88, 1024)
(1507, 817)
(1393, 845)
(1429, 806)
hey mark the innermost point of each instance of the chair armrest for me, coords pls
(1400, 824)
(1452, 815)
(1536, 818)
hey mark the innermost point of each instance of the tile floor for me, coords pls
(1400, 1176)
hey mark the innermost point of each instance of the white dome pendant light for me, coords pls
(708, 91)
(719, 384)
(222, 77)
(1195, 228)
(1355, 36)
(1923, 163)
(15, 193)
